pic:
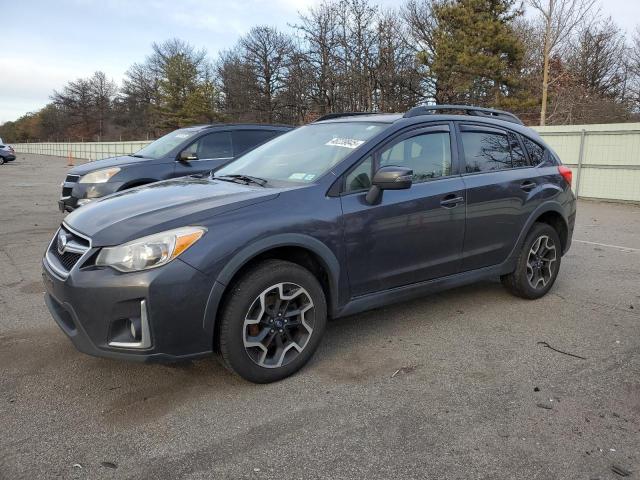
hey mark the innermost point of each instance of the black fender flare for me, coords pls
(323, 252)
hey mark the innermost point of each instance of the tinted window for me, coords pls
(215, 145)
(428, 155)
(244, 140)
(485, 151)
(360, 177)
(518, 158)
(536, 152)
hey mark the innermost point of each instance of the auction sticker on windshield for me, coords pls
(344, 142)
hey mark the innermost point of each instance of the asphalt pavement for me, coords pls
(453, 386)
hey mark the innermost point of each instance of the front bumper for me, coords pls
(73, 191)
(91, 303)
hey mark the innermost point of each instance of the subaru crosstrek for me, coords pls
(346, 214)
(187, 151)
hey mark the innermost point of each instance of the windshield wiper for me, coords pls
(136, 155)
(245, 179)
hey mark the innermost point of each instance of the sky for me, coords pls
(46, 43)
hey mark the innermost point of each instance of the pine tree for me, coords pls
(477, 56)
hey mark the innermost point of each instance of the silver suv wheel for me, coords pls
(278, 325)
(541, 262)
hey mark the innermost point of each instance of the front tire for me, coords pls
(537, 265)
(272, 321)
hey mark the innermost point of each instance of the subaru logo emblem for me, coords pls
(63, 239)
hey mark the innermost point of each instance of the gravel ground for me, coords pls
(452, 386)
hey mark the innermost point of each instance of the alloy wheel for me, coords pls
(541, 262)
(278, 325)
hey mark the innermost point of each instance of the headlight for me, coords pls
(150, 252)
(99, 176)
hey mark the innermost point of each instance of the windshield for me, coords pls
(304, 154)
(161, 147)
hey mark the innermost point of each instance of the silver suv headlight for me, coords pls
(151, 251)
(99, 176)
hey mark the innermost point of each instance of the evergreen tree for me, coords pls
(477, 56)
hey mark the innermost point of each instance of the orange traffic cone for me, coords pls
(70, 161)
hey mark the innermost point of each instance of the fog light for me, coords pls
(132, 332)
(134, 328)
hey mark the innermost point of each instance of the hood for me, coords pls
(109, 162)
(161, 206)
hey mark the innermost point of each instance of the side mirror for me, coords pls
(186, 156)
(389, 178)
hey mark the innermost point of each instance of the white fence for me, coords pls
(605, 158)
(85, 150)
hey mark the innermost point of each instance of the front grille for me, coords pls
(66, 250)
(66, 191)
(67, 259)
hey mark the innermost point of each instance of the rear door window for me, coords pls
(244, 140)
(486, 151)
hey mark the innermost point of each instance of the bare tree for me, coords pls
(560, 19)
(87, 104)
(235, 79)
(319, 31)
(422, 25)
(397, 80)
(267, 54)
(357, 51)
(103, 92)
(296, 98)
(634, 71)
(598, 59)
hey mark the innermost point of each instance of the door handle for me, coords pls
(451, 201)
(528, 185)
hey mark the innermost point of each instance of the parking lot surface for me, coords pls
(451, 386)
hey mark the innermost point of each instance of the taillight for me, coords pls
(566, 173)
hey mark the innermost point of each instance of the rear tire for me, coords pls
(1, 160)
(272, 321)
(537, 265)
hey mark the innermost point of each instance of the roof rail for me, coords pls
(330, 116)
(467, 109)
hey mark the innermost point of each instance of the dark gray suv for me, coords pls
(346, 214)
(186, 151)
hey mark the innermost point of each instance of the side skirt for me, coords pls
(408, 292)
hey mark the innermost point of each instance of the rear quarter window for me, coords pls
(535, 151)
